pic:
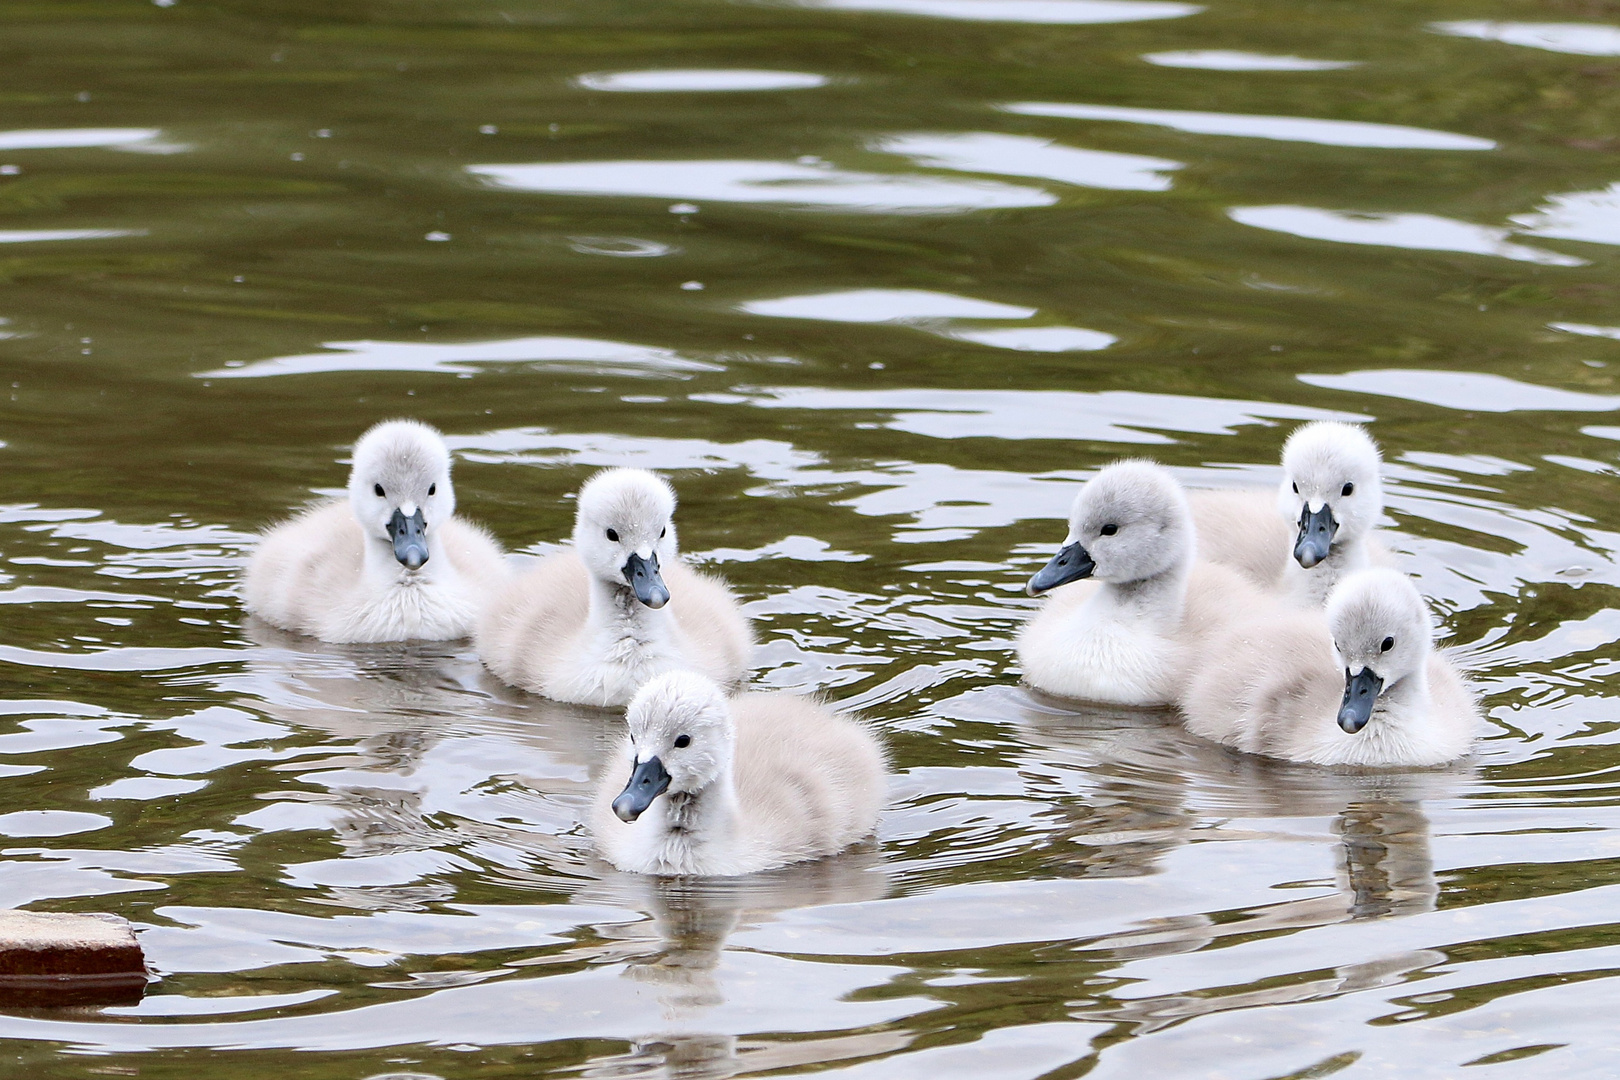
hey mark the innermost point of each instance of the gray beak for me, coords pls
(642, 576)
(647, 783)
(1315, 535)
(409, 535)
(1072, 563)
(1360, 691)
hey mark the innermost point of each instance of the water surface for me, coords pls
(876, 283)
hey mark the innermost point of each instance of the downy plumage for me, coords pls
(708, 786)
(1333, 492)
(1329, 502)
(389, 563)
(592, 623)
(1357, 684)
(1127, 637)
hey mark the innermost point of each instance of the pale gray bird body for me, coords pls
(704, 785)
(389, 563)
(1357, 684)
(1242, 529)
(592, 623)
(1128, 636)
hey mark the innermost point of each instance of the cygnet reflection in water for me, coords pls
(679, 948)
(433, 758)
(1128, 788)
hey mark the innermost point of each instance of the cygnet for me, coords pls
(1357, 684)
(708, 786)
(1332, 490)
(389, 563)
(592, 623)
(1126, 637)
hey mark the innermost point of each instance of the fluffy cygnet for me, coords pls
(390, 563)
(1332, 490)
(708, 786)
(1126, 637)
(1358, 684)
(591, 624)
(1241, 529)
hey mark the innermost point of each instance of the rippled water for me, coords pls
(875, 282)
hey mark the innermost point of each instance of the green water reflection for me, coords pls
(234, 234)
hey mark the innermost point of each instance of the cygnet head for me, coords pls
(680, 729)
(1381, 634)
(399, 487)
(623, 531)
(1330, 486)
(1129, 523)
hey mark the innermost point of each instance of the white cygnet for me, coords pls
(1357, 684)
(718, 787)
(1331, 489)
(1330, 498)
(389, 563)
(1126, 637)
(591, 624)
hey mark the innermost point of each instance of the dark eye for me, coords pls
(1110, 529)
(433, 489)
(682, 740)
(381, 494)
(1296, 489)
(663, 532)
(1349, 489)
(1389, 643)
(613, 536)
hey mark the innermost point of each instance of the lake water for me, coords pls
(875, 283)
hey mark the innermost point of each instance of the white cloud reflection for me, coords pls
(591, 354)
(1416, 232)
(933, 312)
(1586, 330)
(701, 80)
(1048, 339)
(1582, 39)
(1051, 12)
(1231, 60)
(35, 236)
(934, 501)
(1284, 128)
(1116, 416)
(884, 305)
(1022, 155)
(75, 138)
(814, 187)
(1593, 216)
(1469, 391)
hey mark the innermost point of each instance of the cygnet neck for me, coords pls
(696, 830)
(1345, 556)
(1407, 698)
(704, 812)
(614, 608)
(1160, 595)
(381, 565)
